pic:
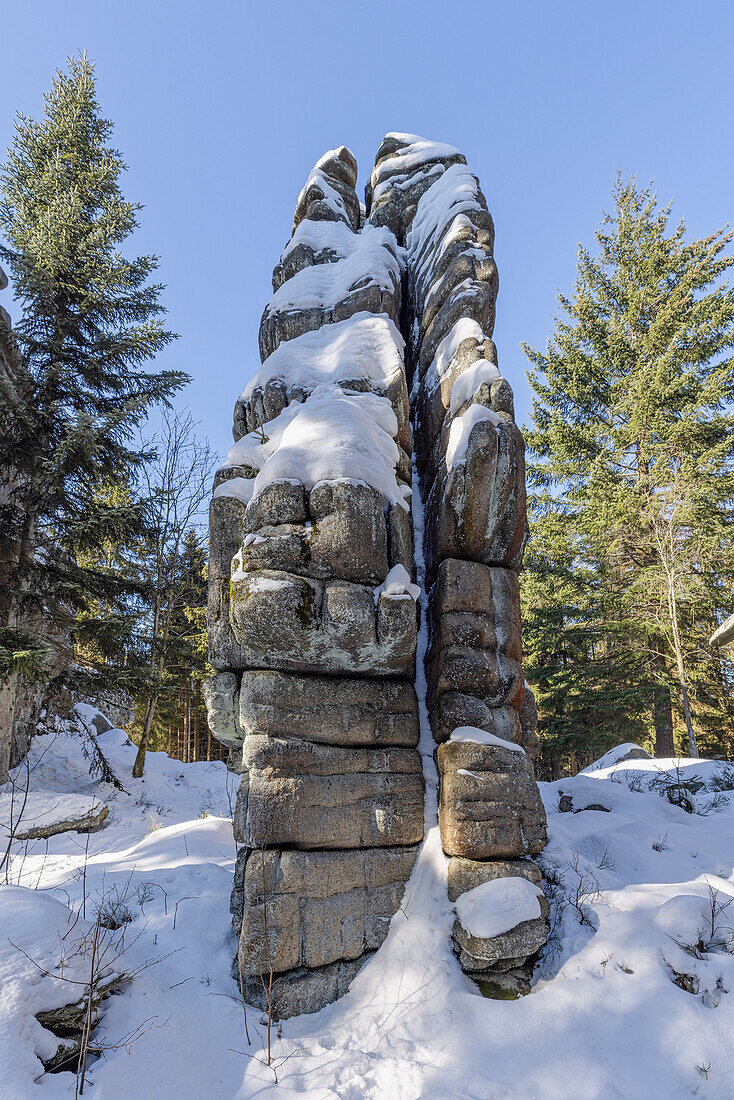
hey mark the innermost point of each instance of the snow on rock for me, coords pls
(438, 219)
(469, 381)
(44, 810)
(483, 737)
(366, 346)
(331, 197)
(416, 151)
(322, 236)
(498, 906)
(461, 429)
(241, 488)
(397, 585)
(332, 435)
(373, 259)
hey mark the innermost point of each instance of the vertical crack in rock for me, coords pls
(312, 614)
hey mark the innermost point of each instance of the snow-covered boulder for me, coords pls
(500, 923)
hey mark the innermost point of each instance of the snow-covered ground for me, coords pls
(631, 998)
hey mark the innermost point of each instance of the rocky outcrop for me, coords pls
(312, 614)
(470, 455)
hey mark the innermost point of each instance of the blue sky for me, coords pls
(220, 110)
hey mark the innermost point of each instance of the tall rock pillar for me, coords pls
(312, 612)
(312, 615)
(470, 455)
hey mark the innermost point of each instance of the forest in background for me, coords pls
(103, 548)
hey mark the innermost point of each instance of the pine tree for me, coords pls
(90, 321)
(633, 441)
(175, 484)
(587, 698)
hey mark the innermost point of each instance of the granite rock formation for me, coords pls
(312, 615)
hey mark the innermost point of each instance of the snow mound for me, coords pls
(628, 751)
(705, 919)
(397, 585)
(498, 906)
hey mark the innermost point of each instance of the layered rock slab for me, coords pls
(312, 909)
(489, 803)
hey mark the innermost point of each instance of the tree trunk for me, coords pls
(139, 764)
(692, 747)
(663, 712)
(556, 769)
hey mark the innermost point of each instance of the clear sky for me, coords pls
(221, 108)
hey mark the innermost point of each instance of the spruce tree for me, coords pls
(90, 321)
(633, 441)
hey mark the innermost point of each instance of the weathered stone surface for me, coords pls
(234, 760)
(349, 537)
(486, 673)
(221, 696)
(333, 178)
(297, 624)
(477, 509)
(239, 816)
(400, 538)
(277, 325)
(474, 299)
(226, 519)
(506, 985)
(529, 726)
(237, 897)
(454, 708)
(279, 502)
(476, 647)
(308, 795)
(469, 266)
(304, 990)
(489, 802)
(329, 710)
(510, 949)
(467, 874)
(341, 531)
(319, 907)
